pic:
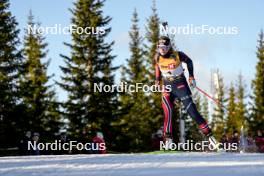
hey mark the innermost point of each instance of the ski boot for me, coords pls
(204, 128)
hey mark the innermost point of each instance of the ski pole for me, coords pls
(208, 96)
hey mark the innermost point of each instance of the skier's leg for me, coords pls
(167, 130)
(184, 93)
(167, 110)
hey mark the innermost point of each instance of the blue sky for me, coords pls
(232, 54)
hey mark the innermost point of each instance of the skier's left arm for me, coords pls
(184, 58)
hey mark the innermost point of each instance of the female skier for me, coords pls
(168, 65)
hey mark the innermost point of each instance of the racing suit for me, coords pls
(169, 69)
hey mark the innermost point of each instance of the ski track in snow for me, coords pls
(182, 164)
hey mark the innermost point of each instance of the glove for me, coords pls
(192, 82)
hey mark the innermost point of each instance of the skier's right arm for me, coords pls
(157, 70)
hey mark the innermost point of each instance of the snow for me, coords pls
(182, 164)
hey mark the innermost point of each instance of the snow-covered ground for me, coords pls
(182, 164)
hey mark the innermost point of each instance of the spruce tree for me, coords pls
(135, 122)
(218, 117)
(38, 98)
(231, 122)
(89, 64)
(152, 37)
(257, 120)
(10, 66)
(241, 109)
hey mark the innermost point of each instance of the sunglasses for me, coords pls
(165, 47)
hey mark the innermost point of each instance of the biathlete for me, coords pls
(168, 68)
